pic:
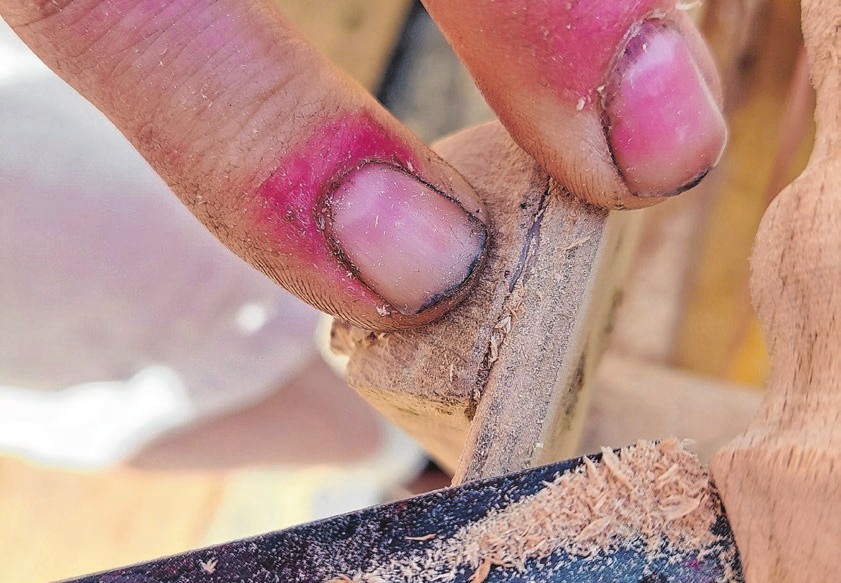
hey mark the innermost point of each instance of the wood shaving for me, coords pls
(594, 529)
(651, 492)
(359, 578)
(209, 566)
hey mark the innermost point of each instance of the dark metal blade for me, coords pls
(410, 530)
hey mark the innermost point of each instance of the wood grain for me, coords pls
(514, 358)
(781, 479)
(635, 399)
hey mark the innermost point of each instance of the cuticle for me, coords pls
(633, 32)
(692, 183)
(606, 96)
(449, 292)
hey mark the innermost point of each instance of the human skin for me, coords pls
(301, 173)
(620, 101)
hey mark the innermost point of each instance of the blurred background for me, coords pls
(158, 395)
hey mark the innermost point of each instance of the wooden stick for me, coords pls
(781, 479)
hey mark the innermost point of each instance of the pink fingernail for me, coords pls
(663, 124)
(408, 242)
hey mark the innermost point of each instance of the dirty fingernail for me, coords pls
(663, 124)
(406, 241)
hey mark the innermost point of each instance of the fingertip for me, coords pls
(373, 228)
(618, 101)
(663, 123)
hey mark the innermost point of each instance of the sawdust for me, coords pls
(651, 492)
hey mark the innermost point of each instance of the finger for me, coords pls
(289, 163)
(618, 100)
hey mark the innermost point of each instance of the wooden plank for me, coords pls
(635, 399)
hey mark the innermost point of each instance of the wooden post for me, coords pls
(781, 480)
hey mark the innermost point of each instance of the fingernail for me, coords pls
(406, 241)
(663, 124)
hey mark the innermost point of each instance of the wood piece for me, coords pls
(717, 332)
(647, 508)
(652, 300)
(514, 358)
(781, 479)
(634, 399)
(730, 28)
(56, 524)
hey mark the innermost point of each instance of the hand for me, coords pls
(307, 178)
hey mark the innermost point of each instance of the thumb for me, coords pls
(290, 164)
(618, 100)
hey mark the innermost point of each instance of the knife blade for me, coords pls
(646, 513)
